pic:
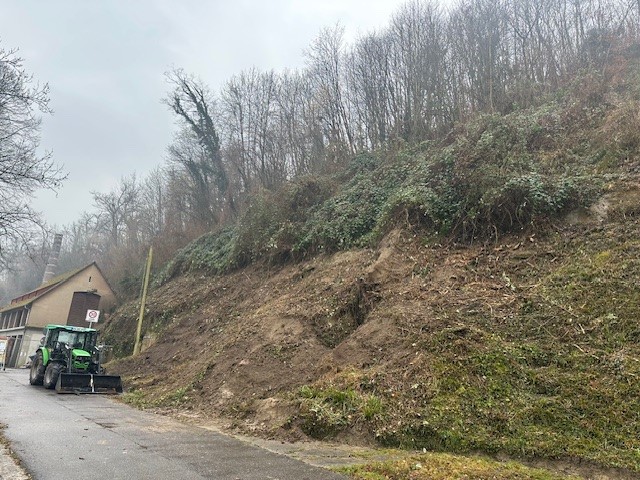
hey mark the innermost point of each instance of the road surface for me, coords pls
(91, 436)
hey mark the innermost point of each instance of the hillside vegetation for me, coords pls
(475, 294)
(395, 121)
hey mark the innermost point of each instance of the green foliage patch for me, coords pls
(211, 252)
(326, 411)
(497, 175)
(440, 466)
(271, 226)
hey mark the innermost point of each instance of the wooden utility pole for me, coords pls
(143, 301)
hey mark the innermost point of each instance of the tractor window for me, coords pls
(81, 340)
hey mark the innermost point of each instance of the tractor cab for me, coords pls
(72, 343)
(84, 339)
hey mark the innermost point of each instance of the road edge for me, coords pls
(11, 467)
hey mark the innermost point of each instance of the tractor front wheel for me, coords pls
(36, 375)
(51, 374)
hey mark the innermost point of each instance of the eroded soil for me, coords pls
(237, 348)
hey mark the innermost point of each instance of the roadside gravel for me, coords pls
(10, 469)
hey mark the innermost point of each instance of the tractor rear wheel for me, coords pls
(36, 375)
(51, 374)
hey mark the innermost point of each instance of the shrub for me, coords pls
(211, 252)
(270, 227)
(343, 221)
(325, 411)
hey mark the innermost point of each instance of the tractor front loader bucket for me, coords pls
(88, 383)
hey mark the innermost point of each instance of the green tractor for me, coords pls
(68, 360)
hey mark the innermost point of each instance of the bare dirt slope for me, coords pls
(237, 341)
(502, 347)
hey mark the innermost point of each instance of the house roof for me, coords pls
(29, 297)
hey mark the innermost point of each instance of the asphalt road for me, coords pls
(91, 436)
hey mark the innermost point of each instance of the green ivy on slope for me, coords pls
(498, 174)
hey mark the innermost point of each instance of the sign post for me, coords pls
(145, 283)
(3, 351)
(92, 316)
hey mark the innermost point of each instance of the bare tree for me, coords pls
(325, 69)
(153, 205)
(83, 243)
(22, 169)
(118, 211)
(250, 111)
(370, 84)
(418, 51)
(204, 200)
(478, 35)
(192, 102)
(299, 135)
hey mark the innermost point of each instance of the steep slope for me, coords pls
(519, 339)
(528, 347)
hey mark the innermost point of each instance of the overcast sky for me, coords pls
(105, 60)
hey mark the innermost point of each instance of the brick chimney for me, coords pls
(50, 271)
